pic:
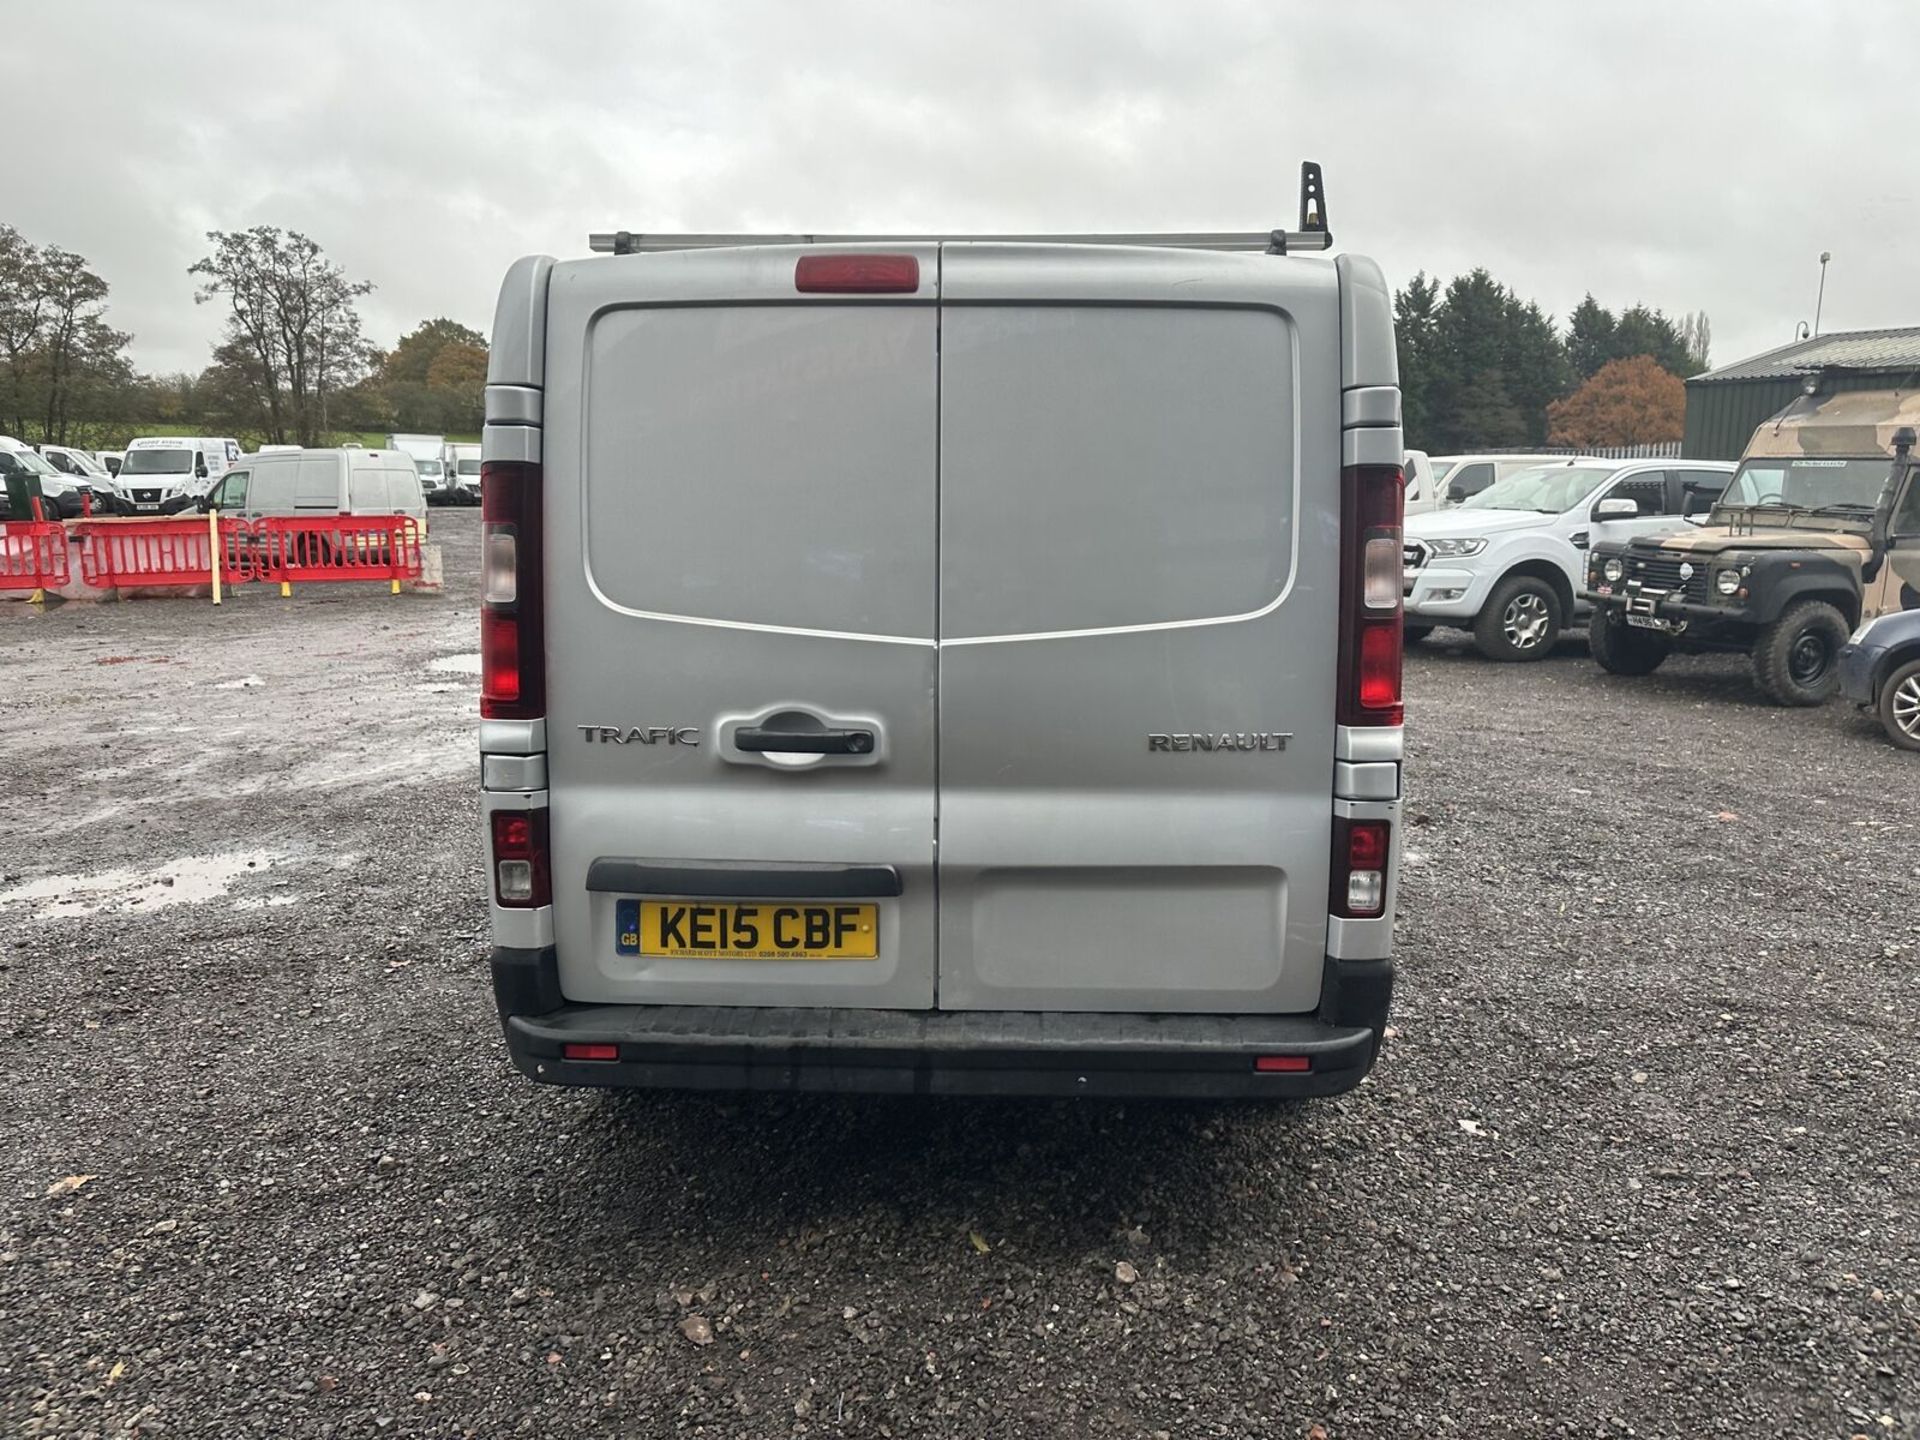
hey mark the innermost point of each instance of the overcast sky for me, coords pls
(1695, 156)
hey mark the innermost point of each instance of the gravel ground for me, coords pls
(1641, 1158)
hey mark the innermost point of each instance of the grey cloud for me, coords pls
(1689, 157)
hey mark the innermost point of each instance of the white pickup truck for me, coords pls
(1508, 563)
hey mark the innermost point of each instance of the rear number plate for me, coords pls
(749, 930)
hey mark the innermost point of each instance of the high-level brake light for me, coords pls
(857, 274)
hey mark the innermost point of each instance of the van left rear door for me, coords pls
(740, 513)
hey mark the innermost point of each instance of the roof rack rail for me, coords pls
(1313, 234)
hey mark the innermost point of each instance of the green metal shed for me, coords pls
(1724, 405)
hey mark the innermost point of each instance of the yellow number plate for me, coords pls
(755, 930)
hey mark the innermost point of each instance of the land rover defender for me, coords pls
(1818, 533)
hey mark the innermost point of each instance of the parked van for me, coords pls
(429, 458)
(110, 459)
(1111, 528)
(162, 474)
(59, 494)
(1461, 477)
(321, 482)
(1423, 490)
(90, 476)
(463, 474)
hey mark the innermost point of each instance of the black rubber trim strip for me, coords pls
(748, 879)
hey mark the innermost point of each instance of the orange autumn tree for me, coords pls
(1627, 402)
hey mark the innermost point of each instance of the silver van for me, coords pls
(320, 482)
(944, 665)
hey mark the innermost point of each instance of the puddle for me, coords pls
(442, 687)
(246, 682)
(186, 881)
(456, 664)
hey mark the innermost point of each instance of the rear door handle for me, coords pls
(804, 742)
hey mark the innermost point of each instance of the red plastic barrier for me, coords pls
(337, 547)
(163, 552)
(119, 554)
(33, 555)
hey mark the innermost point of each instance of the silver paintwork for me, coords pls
(1368, 355)
(513, 405)
(513, 772)
(513, 737)
(866, 508)
(1370, 780)
(517, 351)
(511, 442)
(1369, 742)
(1370, 405)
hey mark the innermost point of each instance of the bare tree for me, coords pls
(1697, 333)
(292, 337)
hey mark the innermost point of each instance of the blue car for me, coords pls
(1880, 669)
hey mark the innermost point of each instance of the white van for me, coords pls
(86, 471)
(463, 474)
(59, 493)
(320, 482)
(162, 474)
(1110, 529)
(1423, 490)
(429, 458)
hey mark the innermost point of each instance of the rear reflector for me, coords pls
(857, 274)
(1282, 1064)
(573, 1050)
(521, 874)
(1360, 852)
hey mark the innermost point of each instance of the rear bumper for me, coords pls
(936, 1052)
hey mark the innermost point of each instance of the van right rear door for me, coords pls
(1139, 569)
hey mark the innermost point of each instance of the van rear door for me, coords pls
(1140, 471)
(740, 512)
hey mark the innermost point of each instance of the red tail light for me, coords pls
(1360, 849)
(1371, 500)
(513, 667)
(522, 877)
(857, 274)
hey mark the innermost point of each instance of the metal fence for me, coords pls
(1659, 450)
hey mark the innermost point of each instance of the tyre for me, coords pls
(312, 551)
(1520, 621)
(1620, 649)
(1900, 706)
(1414, 634)
(1796, 660)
